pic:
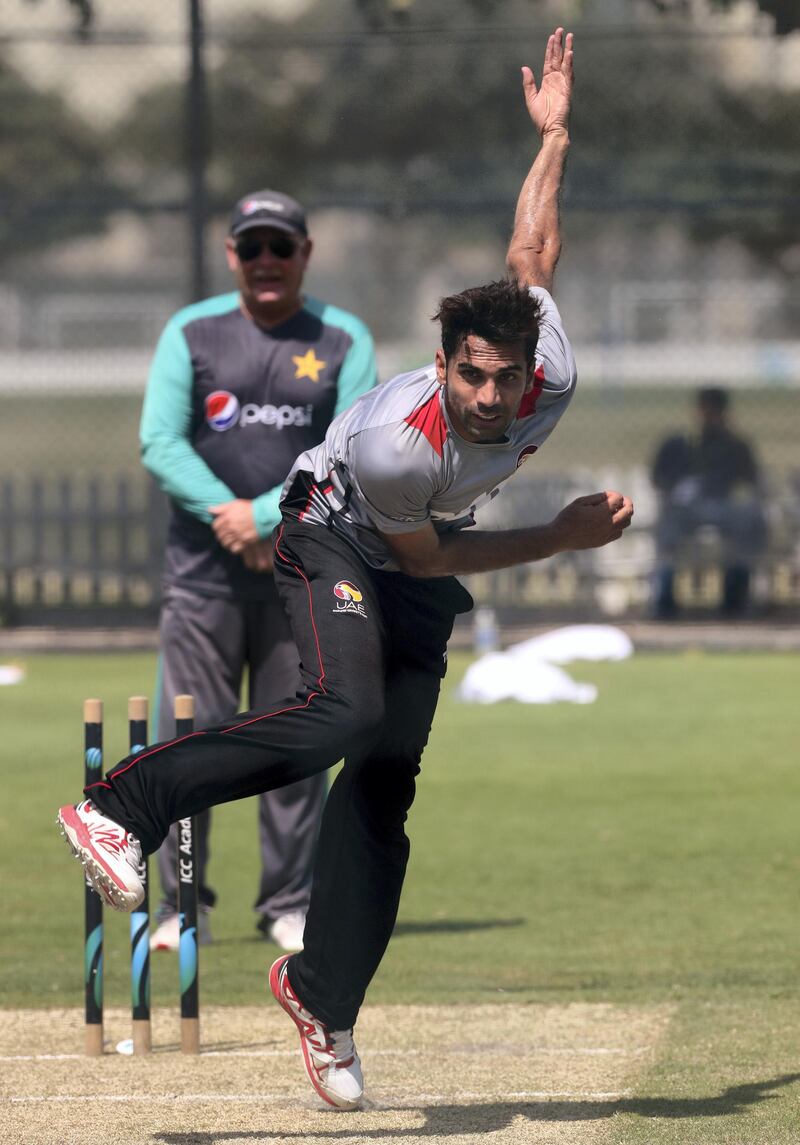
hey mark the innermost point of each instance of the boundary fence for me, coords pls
(80, 551)
(88, 551)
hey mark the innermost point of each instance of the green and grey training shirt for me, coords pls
(229, 406)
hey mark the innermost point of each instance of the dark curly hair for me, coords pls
(501, 311)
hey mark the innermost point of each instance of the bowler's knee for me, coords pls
(359, 722)
(386, 786)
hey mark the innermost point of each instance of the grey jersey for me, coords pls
(393, 462)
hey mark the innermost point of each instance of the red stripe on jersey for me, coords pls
(307, 505)
(328, 489)
(527, 406)
(429, 420)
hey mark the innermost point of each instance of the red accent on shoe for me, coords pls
(71, 818)
(277, 990)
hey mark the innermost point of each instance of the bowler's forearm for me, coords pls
(536, 242)
(474, 552)
(586, 523)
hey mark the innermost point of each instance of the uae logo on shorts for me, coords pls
(349, 598)
(222, 410)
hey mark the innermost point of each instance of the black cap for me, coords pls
(268, 209)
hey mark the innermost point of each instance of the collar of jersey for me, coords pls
(281, 327)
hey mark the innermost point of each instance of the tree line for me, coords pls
(345, 105)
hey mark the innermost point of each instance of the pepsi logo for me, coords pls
(222, 410)
(253, 205)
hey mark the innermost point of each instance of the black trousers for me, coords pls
(373, 653)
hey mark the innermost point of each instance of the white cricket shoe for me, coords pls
(330, 1057)
(167, 935)
(110, 854)
(287, 931)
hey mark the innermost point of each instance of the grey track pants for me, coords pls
(206, 643)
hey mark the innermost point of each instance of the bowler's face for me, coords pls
(484, 384)
(269, 285)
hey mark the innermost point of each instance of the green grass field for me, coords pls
(641, 850)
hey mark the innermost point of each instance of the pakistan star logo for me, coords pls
(308, 366)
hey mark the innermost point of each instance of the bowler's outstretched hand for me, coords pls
(549, 105)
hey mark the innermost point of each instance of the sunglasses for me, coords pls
(282, 246)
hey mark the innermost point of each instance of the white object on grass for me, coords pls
(502, 677)
(577, 642)
(528, 672)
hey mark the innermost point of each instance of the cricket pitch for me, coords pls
(538, 1074)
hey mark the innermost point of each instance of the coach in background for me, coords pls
(240, 385)
(708, 479)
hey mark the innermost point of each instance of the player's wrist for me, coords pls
(548, 540)
(556, 137)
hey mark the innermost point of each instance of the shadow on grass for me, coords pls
(409, 926)
(453, 925)
(443, 1121)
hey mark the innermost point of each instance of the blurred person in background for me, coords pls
(240, 384)
(708, 478)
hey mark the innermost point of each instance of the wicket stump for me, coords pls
(93, 905)
(140, 918)
(187, 904)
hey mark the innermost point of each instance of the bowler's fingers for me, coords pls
(624, 514)
(552, 53)
(567, 63)
(528, 84)
(618, 505)
(592, 499)
(559, 55)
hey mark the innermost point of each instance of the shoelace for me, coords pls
(343, 1048)
(336, 1045)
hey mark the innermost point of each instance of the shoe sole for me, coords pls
(275, 988)
(107, 885)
